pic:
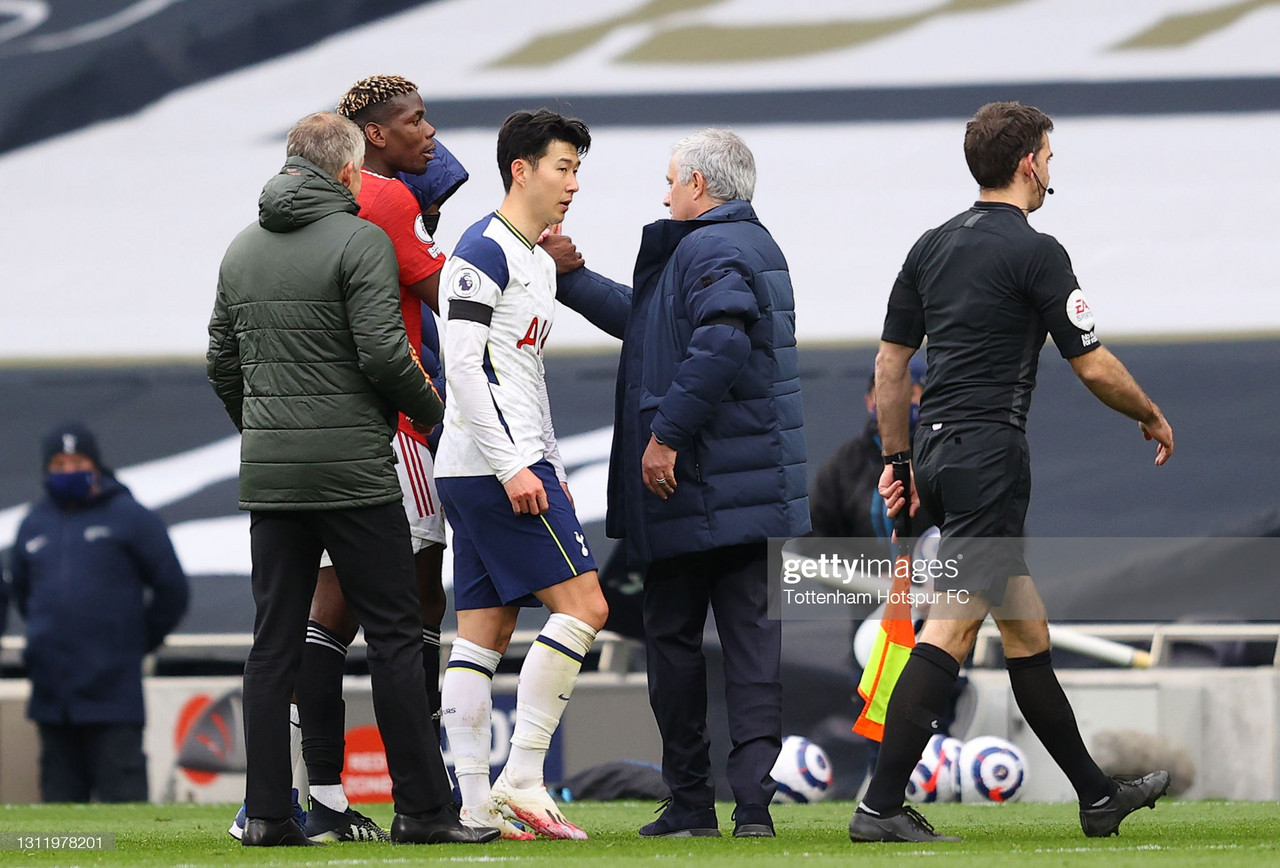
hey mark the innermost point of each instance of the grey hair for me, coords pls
(328, 140)
(724, 160)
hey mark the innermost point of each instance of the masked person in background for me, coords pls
(843, 501)
(95, 577)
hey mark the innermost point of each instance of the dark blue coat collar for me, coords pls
(660, 238)
(443, 177)
(731, 211)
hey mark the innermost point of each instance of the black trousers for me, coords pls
(373, 556)
(99, 761)
(677, 591)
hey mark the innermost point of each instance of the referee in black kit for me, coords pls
(986, 289)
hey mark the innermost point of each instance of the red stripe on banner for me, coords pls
(407, 452)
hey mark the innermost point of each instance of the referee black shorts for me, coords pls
(976, 476)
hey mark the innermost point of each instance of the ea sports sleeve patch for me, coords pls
(1056, 294)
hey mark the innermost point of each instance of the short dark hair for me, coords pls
(527, 135)
(998, 137)
(366, 101)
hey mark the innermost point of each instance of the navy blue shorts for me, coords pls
(500, 558)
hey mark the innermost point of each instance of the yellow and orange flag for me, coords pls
(889, 655)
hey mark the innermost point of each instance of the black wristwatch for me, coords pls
(903, 457)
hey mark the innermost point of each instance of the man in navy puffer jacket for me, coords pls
(99, 586)
(708, 463)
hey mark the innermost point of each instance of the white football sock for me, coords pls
(547, 678)
(331, 796)
(295, 754)
(466, 705)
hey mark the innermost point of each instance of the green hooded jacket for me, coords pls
(308, 351)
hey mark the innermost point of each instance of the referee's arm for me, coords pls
(893, 396)
(893, 411)
(1112, 384)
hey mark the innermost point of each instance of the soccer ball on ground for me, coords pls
(936, 777)
(991, 770)
(802, 771)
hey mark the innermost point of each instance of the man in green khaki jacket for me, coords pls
(308, 352)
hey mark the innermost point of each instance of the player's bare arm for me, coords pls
(428, 290)
(1112, 384)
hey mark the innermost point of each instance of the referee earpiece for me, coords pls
(1036, 175)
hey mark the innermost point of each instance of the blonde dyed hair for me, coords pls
(361, 101)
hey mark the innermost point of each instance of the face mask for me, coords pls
(69, 487)
(431, 222)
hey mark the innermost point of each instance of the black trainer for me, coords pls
(275, 833)
(677, 822)
(441, 827)
(326, 824)
(1104, 821)
(752, 821)
(906, 827)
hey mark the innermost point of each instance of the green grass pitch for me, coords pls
(1176, 834)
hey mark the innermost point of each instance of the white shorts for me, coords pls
(422, 507)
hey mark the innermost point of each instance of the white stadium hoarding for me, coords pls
(116, 230)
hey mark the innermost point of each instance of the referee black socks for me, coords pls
(919, 701)
(1048, 713)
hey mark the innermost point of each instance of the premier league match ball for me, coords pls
(991, 770)
(936, 777)
(802, 772)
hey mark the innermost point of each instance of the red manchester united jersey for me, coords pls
(388, 203)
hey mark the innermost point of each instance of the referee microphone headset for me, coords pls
(1036, 175)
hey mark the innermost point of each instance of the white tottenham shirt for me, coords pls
(499, 296)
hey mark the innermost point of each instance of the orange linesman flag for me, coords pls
(889, 654)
